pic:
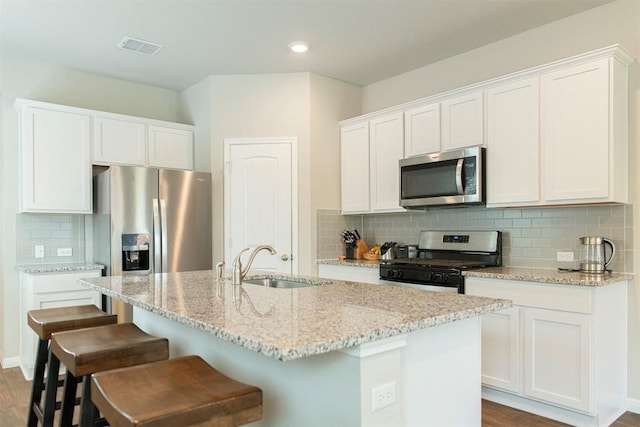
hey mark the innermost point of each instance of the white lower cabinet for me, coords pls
(558, 357)
(49, 290)
(501, 341)
(560, 351)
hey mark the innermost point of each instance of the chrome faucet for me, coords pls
(238, 271)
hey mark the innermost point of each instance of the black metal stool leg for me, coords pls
(42, 354)
(88, 411)
(50, 390)
(68, 399)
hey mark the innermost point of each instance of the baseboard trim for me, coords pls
(634, 405)
(10, 362)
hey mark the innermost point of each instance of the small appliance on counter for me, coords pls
(593, 256)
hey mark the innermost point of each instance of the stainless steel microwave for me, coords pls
(447, 178)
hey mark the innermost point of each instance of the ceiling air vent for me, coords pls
(140, 46)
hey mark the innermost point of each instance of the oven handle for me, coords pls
(459, 176)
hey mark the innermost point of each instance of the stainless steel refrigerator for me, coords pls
(151, 221)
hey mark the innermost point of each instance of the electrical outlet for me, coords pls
(39, 251)
(565, 256)
(383, 395)
(65, 251)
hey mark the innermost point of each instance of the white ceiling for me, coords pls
(356, 41)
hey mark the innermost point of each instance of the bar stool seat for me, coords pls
(44, 322)
(86, 351)
(175, 392)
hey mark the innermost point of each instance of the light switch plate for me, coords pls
(39, 251)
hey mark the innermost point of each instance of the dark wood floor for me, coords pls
(15, 391)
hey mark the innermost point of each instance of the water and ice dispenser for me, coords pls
(135, 252)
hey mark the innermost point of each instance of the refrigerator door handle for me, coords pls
(165, 236)
(157, 237)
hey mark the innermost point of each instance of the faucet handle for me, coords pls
(220, 271)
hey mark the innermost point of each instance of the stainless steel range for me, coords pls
(442, 257)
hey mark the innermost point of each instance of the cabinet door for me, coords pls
(119, 142)
(513, 144)
(354, 146)
(501, 349)
(422, 130)
(462, 121)
(575, 132)
(56, 163)
(387, 148)
(557, 358)
(170, 148)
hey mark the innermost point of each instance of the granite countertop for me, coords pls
(58, 268)
(351, 262)
(549, 276)
(288, 324)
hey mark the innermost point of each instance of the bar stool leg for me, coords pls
(88, 411)
(50, 390)
(38, 381)
(68, 399)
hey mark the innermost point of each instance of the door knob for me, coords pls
(285, 257)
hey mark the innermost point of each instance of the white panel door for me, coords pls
(422, 130)
(513, 144)
(575, 132)
(387, 148)
(56, 161)
(557, 357)
(119, 142)
(500, 349)
(462, 121)
(259, 203)
(170, 148)
(354, 167)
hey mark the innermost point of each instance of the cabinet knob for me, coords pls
(285, 257)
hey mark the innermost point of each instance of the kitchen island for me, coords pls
(330, 354)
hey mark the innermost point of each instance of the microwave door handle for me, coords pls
(459, 176)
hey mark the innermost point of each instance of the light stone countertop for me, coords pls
(350, 262)
(288, 324)
(549, 276)
(540, 275)
(58, 268)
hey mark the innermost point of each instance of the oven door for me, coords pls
(424, 287)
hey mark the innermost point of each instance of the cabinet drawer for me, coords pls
(532, 294)
(60, 282)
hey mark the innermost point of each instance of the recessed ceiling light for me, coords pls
(141, 46)
(299, 47)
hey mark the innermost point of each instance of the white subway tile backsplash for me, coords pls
(531, 237)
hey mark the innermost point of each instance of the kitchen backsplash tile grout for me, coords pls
(531, 237)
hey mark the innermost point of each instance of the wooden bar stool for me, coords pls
(176, 392)
(86, 351)
(44, 322)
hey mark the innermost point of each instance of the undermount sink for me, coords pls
(274, 282)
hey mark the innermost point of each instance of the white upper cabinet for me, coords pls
(386, 149)
(422, 130)
(584, 133)
(55, 161)
(122, 140)
(170, 147)
(513, 175)
(462, 121)
(119, 142)
(354, 146)
(370, 152)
